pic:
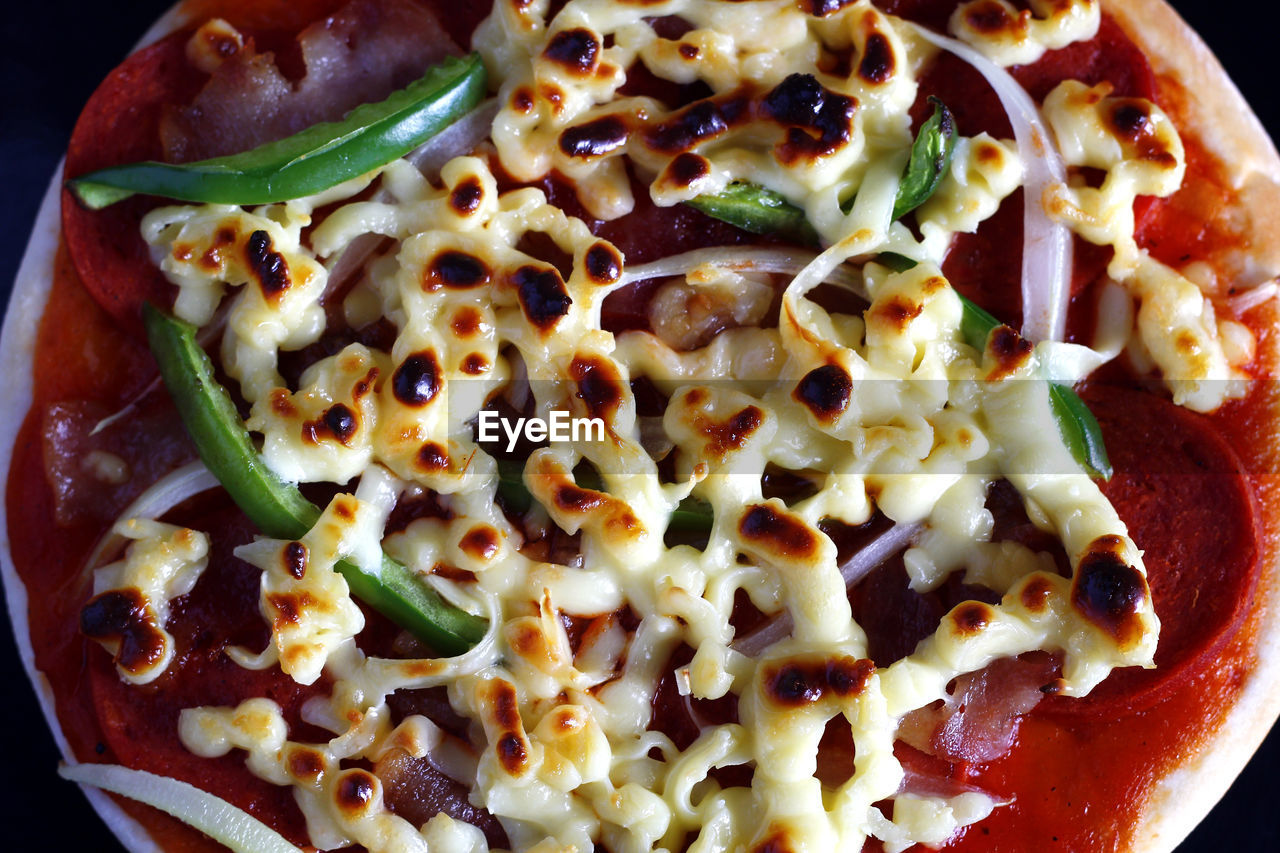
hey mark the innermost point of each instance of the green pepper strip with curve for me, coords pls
(277, 508)
(763, 211)
(311, 160)
(1079, 428)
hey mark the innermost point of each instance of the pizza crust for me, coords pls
(1227, 128)
(1223, 123)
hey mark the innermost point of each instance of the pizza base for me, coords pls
(1226, 127)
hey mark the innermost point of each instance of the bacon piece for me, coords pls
(416, 791)
(93, 476)
(361, 54)
(978, 720)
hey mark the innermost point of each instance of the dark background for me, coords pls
(53, 53)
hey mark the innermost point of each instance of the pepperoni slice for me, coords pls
(119, 125)
(139, 723)
(1182, 492)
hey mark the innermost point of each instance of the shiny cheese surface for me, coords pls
(883, 408)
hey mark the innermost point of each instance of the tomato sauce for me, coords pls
(1075, 775)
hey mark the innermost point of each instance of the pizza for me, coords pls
(906, 513)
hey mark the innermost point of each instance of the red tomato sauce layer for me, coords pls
(1073, 776)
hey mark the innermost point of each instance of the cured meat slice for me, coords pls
(365, 51)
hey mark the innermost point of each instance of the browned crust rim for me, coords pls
(1230, 132)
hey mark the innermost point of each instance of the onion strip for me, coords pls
(215, 817)
(163, 495)
(853, 570)
(1046, 242)
(741, 259)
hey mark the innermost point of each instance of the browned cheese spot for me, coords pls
(466, 196)
(1036, 593)
(553, 95)
(990, 18)
(525, 639)
(577, 51)
(1131, 120)
(512, 754)
(877, 64)
(506, 711)
(685, 170)
(898, 311)
(779, 532)
(344, 506)
(818, 121)
(454, 269)
(522, 100)
(542, 294)
(305, 764)
(126, 617)
(355, 791)
(732, 434)
(281, 403)
(466, 321)
(825, 391)
(795, 683)
(287, 607)
(1009, 350)
(432, 457)
(474, 364)
(822, 8)
(697, 123)
(566, 721)
(575, 499)
(1109, 592)
(267, 265)
(971, 617)
(211, 260)
(1186, 343)
(365, 385)
(989, 154)
(480, 542)
(417, 380)
(294, 557)
(603, 263)
(182, 251)
(600, 386)
(594, 138)
(338, 423)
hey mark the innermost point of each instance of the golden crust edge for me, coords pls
(1229, 131)
(1224, 124)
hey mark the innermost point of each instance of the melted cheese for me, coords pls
(1012, 36)
(161, 563)
(885, 409)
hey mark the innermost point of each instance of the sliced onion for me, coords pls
(742, 259)
(1249, 299)
(213, 816)
(853, 570)
(163, 495)
(461, 137)
(1046, 242)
